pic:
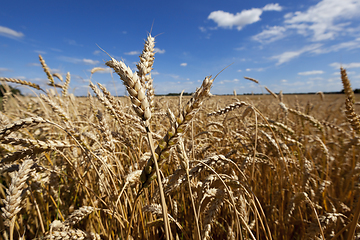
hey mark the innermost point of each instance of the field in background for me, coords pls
(300, 176)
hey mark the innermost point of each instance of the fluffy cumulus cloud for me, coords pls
(183, 64)
(272, 7)
(239, 20)
(10, 33)
(310, 72)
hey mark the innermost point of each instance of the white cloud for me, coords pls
(240, 19)
(287, 56)
(228, 20)
(353, 44)
(159, 51)
(272, 7)
(183, 64)
(325, 20)
(310, 72)
(90, 61)
(132, 53)
(270, 34)
(7, 32)
(337, 65)
(255, 69)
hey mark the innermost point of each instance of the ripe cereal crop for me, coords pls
(271, 166)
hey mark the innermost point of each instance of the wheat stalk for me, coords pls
(136, 90)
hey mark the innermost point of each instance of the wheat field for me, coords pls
(268, 166)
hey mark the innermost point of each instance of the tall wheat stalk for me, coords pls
(135, 85)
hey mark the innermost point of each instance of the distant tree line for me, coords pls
(177, 94)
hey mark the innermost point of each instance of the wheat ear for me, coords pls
(78, 215)
(58, 75)
(22, 82)
(15, 194)
(351, 116)
(66, 85)
(252, 79)
(27, 122)
(134, 87)
(144, 68)
(271, 92)
(322, 96)
(347, 86)
(229, 108)
(46, 70)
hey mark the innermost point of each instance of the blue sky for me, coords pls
(294, 46)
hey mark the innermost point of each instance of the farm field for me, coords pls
(231, 167)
